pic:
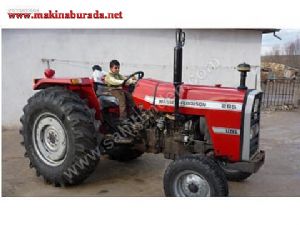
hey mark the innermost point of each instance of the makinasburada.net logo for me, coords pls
(55, 14)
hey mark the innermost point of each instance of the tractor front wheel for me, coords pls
(194, 176)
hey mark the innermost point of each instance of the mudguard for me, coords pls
(83, 86)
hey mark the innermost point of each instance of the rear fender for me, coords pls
(83, 86)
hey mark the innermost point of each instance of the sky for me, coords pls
(287, 35)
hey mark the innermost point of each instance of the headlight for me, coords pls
(254, 130)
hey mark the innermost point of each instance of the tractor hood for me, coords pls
(193, 98)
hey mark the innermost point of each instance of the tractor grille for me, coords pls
(255, 124)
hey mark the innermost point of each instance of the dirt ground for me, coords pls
(280, 175)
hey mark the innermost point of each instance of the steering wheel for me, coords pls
(140, 76)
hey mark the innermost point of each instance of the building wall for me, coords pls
(209, 57)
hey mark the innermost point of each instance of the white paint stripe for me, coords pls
(197, 104)
(226, 130)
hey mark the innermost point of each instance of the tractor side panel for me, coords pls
(225, 130)
(222, 108)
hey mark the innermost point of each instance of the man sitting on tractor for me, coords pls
(114, 80)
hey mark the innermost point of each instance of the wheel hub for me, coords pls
(193, 188)
(191, 184)
(50, 139)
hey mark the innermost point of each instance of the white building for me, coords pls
(209, 57)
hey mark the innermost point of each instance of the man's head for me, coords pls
(114, 66)
(97, 67)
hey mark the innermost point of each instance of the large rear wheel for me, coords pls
(60, 136)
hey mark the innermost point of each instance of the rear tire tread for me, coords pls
(81, 120)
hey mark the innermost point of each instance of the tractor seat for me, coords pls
(100, 89)
(108, 101)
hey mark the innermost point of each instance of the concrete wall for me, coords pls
(210, 57)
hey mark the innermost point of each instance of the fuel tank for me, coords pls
(221, 106)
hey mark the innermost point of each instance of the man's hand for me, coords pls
(133, 78)
(131, 81)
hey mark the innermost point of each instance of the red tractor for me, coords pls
(210, 132)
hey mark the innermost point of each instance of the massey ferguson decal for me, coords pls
(198, 104)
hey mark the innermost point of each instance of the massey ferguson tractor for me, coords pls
(210, 132)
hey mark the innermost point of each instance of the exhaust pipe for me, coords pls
(177, 81)
(244, 69)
